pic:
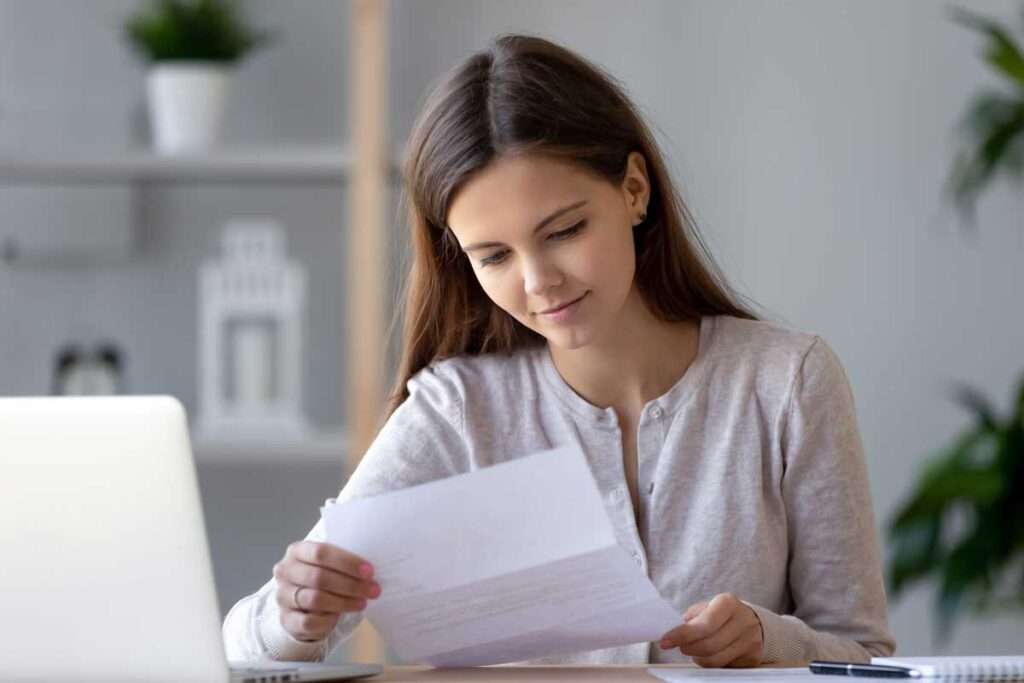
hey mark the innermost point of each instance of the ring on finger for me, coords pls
(295, 597)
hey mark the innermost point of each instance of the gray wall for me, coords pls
(811, 139)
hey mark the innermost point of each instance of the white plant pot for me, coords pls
(186, 104)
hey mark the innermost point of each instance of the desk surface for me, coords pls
(538, 674)
(506, 674)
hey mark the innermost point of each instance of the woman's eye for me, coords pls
(494, 259)
(499, 256)
(568, 232)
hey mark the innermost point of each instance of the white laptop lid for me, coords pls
(106, 572)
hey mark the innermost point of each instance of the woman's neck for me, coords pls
(640, 358)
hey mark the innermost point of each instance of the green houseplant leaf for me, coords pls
(192, 30)
(993, 126)
(964, 521)
(1002, 52)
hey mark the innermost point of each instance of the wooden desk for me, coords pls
(534, 674)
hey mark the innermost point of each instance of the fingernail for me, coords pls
(366, 570)
(665, 643)
(375, 590)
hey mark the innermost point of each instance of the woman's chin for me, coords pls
(568, 339)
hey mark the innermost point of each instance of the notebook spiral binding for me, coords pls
(982, 671)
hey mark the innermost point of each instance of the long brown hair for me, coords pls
(528, 95)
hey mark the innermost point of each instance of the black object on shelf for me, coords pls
(95, 372)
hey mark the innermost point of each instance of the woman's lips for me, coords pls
(565, 312)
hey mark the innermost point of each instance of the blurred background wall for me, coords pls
(810, 139)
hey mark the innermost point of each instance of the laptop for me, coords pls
(106, 570)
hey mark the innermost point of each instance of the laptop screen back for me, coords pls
(106, 572)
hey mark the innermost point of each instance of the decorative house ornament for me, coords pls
(251, 313)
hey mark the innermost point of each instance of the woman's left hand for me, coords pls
(721, 632)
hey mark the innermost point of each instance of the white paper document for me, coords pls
(512, 562)
(759, 675)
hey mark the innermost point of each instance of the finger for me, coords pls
(693, 610)
(720, 610)
(330, 557)
(669, 639)
(741, 652)
(320, 602)
(714, 643)
(709, 621)
(311, 576)
(308, 626)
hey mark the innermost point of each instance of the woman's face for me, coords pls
(552, 244)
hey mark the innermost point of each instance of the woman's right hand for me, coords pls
(316, 584)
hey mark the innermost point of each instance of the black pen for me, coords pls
(866, 670)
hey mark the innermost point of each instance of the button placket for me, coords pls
(606, 419)
(648, 448)
(649, 445)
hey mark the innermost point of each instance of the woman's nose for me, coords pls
(540, 275)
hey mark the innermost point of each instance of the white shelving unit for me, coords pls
(367, 166)
(286, 164)
(330, 164)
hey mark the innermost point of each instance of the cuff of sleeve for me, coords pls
(780, 644)
(281, 646)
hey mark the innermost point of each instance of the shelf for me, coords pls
(297, 163)
(319, 448)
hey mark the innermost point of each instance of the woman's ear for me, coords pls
(636, 187)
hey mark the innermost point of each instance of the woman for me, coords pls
(558, 295)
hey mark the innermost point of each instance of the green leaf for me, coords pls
(972, 399)
(1002, 51)
(203, 30)
(994, 121)
(979, 486)
(1019, 407)
(953, 476)
(964, 572)
(916, 553)
(980, 480)
(948, 603)
(996, 126)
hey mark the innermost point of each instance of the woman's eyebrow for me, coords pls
(540, 226)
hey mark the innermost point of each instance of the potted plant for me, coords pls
(192, 47)
(964, 521)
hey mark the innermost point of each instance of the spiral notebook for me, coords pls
(1003, 668)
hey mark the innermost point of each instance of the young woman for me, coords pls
(559, 294)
